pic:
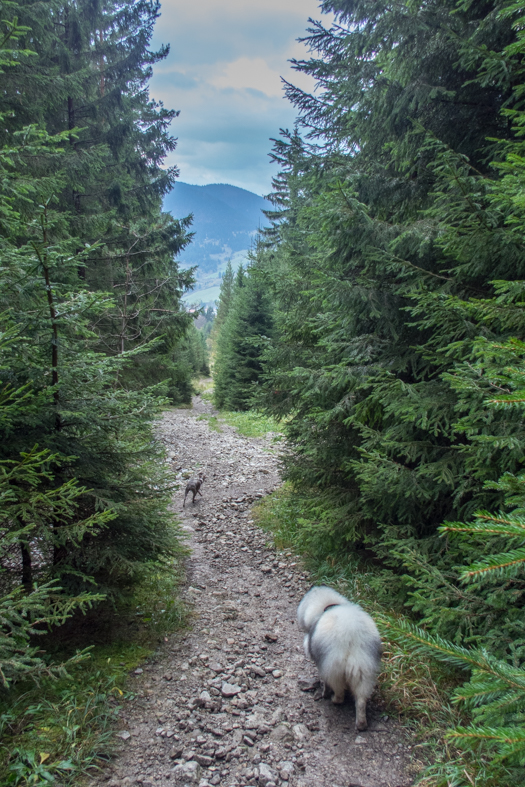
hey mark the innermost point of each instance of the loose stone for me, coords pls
(266, 775)
(230, 689)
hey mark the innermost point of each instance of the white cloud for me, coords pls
(248, 72)
(223, 74)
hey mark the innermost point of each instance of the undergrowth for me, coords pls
(250, 423)
(202, 385)
(59, 730)
(212, 420)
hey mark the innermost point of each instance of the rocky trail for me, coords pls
(233, 701)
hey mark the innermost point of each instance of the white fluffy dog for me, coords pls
(343, 641)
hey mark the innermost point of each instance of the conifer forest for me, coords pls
(379, 323)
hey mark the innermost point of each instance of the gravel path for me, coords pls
(225, 702)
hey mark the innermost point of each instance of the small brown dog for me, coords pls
(194, 486)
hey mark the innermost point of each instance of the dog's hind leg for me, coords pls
(327, 691)
(360, 713)
(361, 682)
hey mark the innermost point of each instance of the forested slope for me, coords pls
(392, 345)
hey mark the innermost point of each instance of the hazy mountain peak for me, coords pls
(225, 221)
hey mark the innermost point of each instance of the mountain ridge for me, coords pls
(225, 220)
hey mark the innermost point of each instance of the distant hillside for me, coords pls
(225, 221)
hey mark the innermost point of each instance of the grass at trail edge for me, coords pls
(61, 730)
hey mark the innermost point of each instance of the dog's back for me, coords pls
(345, 640)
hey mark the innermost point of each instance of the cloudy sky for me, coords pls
(223, 74)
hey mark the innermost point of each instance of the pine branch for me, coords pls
(510, 526)
(419, 641)
(505, 564)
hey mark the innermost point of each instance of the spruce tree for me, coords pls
(224, 302)
(95, 58)
(91, 436)
(37, 509)
(491, 586)
(224, 364)
(242, 339)
(354, 240)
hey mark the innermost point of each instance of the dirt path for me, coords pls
(223, 703)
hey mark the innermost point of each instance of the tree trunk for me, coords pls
(27, 568)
